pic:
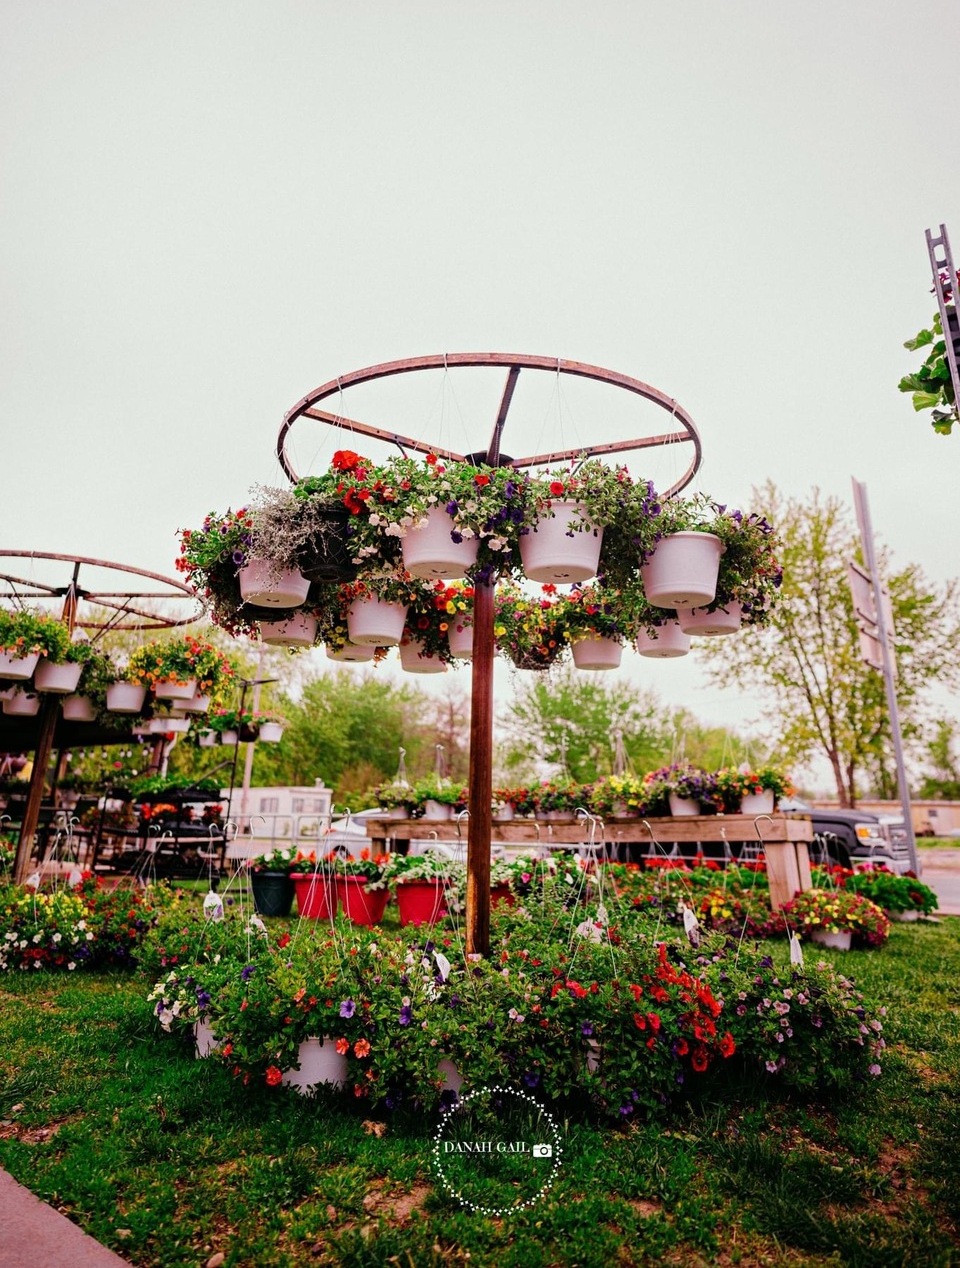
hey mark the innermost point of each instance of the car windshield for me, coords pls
(794, 803)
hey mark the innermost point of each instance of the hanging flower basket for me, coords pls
(272, 893)
(125, 697)
(79, 709)
(682, 571)
(176, 690)
(352, 653)
(681, 806)
(298, 630)
(207, 739)
(361, 905)
(460, 638)
(429, 551)
(18, 668)
(197, 704)
(325, 556)
(711, 624)
(597, 653)
(22, 704)
(375, 622)
(230, 738)
(271, 732)
(421, 902)
(415, 660)
(319, 1062)
(316, 895)
(267, 586)
(556, 550)
(761, 803)
(59, 680)
(837, 941)
(663, 641)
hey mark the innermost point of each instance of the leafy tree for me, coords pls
(820, 696)
(566, 717)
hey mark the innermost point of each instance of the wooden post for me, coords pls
(49, 713)
(481, 773)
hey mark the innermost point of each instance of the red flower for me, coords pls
(354, 499)
(431, 460)
(727, 1045)
(481, 480)
(700, 1059)
(283, 940)
(361, 1048)
(344, 460)
(639, 1021)
(557, 488)
(274, 1075)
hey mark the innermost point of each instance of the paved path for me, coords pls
(940, 870)
(34, 1235)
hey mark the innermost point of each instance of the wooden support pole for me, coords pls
(481, 773)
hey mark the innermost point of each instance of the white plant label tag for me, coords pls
(691, 926)
(213, 906)
(443, 964)
(796, 951)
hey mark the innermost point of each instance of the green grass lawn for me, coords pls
(169, 1160)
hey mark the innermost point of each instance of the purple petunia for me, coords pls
(347, 1008)
(406, 1015)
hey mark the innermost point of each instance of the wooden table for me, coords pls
(782, 839)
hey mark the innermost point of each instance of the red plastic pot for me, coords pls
(362, 906)
(502, 894)
(420, 902)
(316, 895)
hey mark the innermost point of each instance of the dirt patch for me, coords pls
(10, 1130)
(645, 1207)
(396, 1208)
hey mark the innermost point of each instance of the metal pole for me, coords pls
(866, 533)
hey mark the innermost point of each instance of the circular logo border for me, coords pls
(519, 1206)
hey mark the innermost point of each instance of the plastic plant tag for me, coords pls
(75, 877)
(213, 906)
(796, 951)
(256, 925)
(691, 926)
(443, 964)
(590, 930)
(33, 881)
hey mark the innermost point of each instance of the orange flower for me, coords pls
(343, 1046)
(361, 1048)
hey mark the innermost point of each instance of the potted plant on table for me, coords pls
(837, 918)
(436, 798)
(680, 789)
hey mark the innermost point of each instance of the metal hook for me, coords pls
(464, 814)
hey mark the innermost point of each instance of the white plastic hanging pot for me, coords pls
(665, 641)
(22, 704)
(298, 630)
(597, 653)
(79, 709)
(18, 668)
(198, 704)
(271, 732)
(230, 737)
(416, 661)
(319, 1062)
(176, 690)
(352, 653)
(555, 551)
(760, 803)
(429, 551)
(376, 622)
(710, 624)
(682, 571)
(680, 806)
(125, 697)
(460, 638)
(266, 586)
(838, 941)
(207, 739)
(60, 680)
(162, 726)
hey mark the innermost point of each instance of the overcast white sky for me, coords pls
(207, 210)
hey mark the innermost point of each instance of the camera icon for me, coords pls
(542, 1151)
